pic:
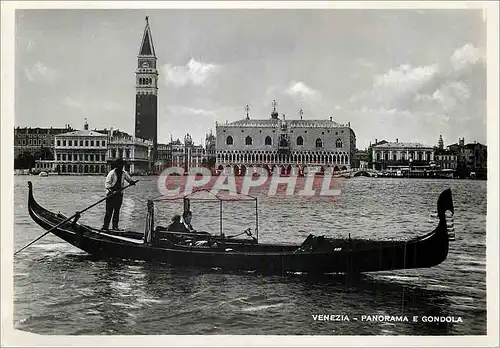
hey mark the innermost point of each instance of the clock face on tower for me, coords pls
(145, 64)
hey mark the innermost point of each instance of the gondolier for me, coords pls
(115, 181)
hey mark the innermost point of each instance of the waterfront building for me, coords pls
(146, 87)
(444, 158)
(285, 145)
(31, 141)
(78, 152)
(360, 159)
(135, 151)
(185, 154)
(471, 158)
(210, 149)
(476, 156)
(400, 156)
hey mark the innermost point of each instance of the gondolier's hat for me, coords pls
(119, 162)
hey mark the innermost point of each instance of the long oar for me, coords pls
(78, 213)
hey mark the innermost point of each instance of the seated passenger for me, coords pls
(187, 216)
(176, 225)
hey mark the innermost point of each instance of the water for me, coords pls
(59, 290)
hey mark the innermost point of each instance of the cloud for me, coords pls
(427, 88)
(40, 72)
(405, 80)
(465, 56)
(181, 109)
(71, 102)
(93, 105)
(194, 72)
(111, 106)
(301, 89)
(449, 98)
(365, 63)
(296, 90)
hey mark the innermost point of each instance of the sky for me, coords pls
(406, 74)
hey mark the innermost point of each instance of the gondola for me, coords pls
(316, 255)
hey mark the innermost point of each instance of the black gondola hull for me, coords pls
(348, 256)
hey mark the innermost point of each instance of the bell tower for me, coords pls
(146, 91)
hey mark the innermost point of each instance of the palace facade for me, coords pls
(285, 145)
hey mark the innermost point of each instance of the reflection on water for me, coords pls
(60, 290)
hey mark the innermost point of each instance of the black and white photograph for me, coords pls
(249, 173)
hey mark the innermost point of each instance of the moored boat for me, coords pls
(317, 254)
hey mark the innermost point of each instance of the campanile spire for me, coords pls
(146, 90)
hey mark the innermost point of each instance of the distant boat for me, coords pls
(43, 174)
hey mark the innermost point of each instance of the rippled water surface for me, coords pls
(59, 290)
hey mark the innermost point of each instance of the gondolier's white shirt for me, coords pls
(111, 179)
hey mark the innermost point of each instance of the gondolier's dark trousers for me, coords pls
(113, 205)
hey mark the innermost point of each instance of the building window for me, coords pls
(58, 157)
(319, 143)
(70, 157)
(268, 141)
(248, 140)
(64, 157)
(30, 142)
(378, 156)
(64, 142)
(86, 143)
(386, 156)
(103, 143)
(229, 140)
(86, 157)
(70, 142)
(91, 157)
(80, 156)
(81, 142)
(338, 143)
(394, 157)
(103, 157)
(300, 141)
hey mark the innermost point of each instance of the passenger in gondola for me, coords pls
(176, 225)
(186, 217)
